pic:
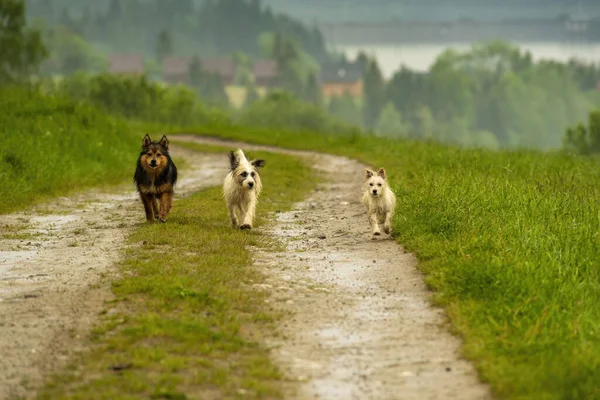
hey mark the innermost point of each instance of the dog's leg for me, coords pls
(147, 201)
(248, 217)
(232, 217)
(166, 200)
(387, 225)
(374, 224)
(154, 203)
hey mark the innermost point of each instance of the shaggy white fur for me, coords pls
(379, 200)
(241, 189)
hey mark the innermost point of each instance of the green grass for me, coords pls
(51, 145)
(510, 243)
(188, 322)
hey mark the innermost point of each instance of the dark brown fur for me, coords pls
(155, 177)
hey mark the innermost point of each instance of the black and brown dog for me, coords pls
(155, 177)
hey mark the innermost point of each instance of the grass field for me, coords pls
(51, 146)
(188, 321)
(510, 243)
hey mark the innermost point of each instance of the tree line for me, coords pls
(493, 95)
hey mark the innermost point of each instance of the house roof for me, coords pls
(126, 63)
(222, 66)
(176, 65)
(181, 66)
(264, 69)
(341, 73)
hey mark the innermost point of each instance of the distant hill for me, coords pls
(387, 10)
(429, 10)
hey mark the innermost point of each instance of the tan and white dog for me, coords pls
(379, 200)
(241, 189)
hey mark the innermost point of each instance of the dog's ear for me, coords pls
(381, 173)
(233, 162)
(368, 173)
(164, 142)
(146, 141)
(258, 163)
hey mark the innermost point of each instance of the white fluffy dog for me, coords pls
(379, 200)
(241, 189)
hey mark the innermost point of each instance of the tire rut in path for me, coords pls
(360, 323)
(51, 282)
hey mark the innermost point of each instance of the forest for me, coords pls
(493, 96)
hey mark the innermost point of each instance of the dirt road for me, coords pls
(54, 261)
(359, 326)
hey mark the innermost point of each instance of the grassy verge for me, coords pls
(52, 145)
(510, 243)
(188, 319)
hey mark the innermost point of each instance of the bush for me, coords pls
(282, 110)
(582, 139)
(138, 98)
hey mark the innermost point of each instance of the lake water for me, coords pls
(421, 56)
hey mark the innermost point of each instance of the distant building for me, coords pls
(339, 79)
(265, 73)
(126, 64)
(225, 67)
(177, 69)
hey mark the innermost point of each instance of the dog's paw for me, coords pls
(163, 220)
(246, 226)
(387, 229)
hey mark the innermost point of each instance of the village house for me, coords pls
(126, 64)
(176, 70)
(336, 80)
(265, 73)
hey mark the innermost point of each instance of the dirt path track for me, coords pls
(52, 263)
(360, 325)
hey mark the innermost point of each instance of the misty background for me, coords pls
(473, 72)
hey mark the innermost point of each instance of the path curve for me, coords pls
(360, 323)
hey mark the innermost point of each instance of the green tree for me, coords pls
(312, 90)
(208, 86)
(374, 94)
(424, 123)
(345, 108)
(69, 53)
(196, 73)
(390, 123)
(582, 139)
(164, 45)
(22, 49)
(252, 95)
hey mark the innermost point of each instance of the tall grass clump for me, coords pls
(51, 144)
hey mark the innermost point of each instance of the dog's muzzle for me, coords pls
(250, 185)
(374, 192)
